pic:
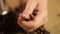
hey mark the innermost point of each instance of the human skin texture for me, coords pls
(2, 4)
(39, 20)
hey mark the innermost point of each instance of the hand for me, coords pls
(30, 25)
(39, 20)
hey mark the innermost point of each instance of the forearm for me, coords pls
(31, 4)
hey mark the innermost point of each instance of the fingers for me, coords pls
(29, 26)
(25, 25)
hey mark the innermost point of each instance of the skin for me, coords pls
(39, 20)
(2, 5)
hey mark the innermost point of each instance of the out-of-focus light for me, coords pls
(4, 12)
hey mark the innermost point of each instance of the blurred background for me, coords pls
(53, 24)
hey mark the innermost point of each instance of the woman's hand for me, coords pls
(39, 20)
(31, 25)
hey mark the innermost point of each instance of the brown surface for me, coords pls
(53, 24)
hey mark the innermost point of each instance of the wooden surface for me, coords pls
(53, 24)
